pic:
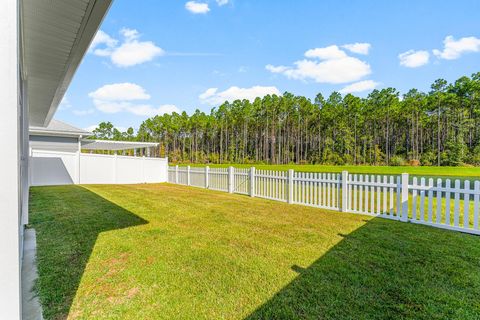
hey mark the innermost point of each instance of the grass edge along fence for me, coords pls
(439, 203)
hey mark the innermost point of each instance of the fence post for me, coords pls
(143, 171)
(176, 174)
(252, 182)
(231, 178)
(79, 154)
(345, 195)
(290, 185)
(404, 197)
(207, 172)
(115, 167)
(188, 175)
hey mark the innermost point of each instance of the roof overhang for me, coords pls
(56, 36)
(50, 133)
(115, 145)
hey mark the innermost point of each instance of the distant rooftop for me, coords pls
(59, 128)
(115, 145)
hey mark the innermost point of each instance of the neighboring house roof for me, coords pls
(115, 145)
(56, 36)
(59, 129)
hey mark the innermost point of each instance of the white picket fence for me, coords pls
(440, 204)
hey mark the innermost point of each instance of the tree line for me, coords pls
(440, 127)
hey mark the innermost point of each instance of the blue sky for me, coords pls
(156, 56)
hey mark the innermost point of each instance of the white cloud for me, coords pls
(91, 128)
(130, 52)
(327, 53)
(325, 65)
(453, 49)
(357, 47)
(276, 69)
(242, 69)
(414, 59)
(102, 38)
(197, 7)
(64, 104)
(222, 2)
(83, 112)
(129, 34)
(123, 97)
(135, 52)
(146, 110)
(120, 92)
(214, 97)
(150, 111)
(359, 86)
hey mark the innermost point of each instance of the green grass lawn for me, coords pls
(174, 252)
(421, 171)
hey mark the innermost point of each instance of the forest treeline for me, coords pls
(441, 127)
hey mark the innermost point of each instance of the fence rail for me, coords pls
(442, 203)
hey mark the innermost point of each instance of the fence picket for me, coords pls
(349, 193)
(391, 196)
(384, 195)
(466, 204)
(430, 199)
(399, 199)
(476, 200)
(414, 198)
(371, 194)
(354, 207)
(447, 202)
(360, 194)
(377, 195)
(367, 194)
(328, 190)
(422, 199)
(439, 201)
(456, 210)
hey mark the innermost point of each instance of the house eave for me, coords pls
(47, 86)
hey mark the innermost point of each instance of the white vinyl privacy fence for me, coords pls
(441, 203)
(63, 168)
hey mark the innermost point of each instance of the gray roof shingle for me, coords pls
(57, 127)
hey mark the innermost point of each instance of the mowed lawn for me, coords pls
(172, 252)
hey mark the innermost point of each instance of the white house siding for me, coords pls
(67, 144)
(13, 163)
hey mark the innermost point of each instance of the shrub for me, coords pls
(474, 156)
(428, 158)
(397, 161)
(414, 163)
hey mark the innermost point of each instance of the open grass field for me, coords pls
(461, 172)
(173, 252)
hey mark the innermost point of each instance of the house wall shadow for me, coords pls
(50, 171)
(67, 229)
(382, 271)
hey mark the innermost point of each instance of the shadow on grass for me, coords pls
(68, 222)
(386, 270)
